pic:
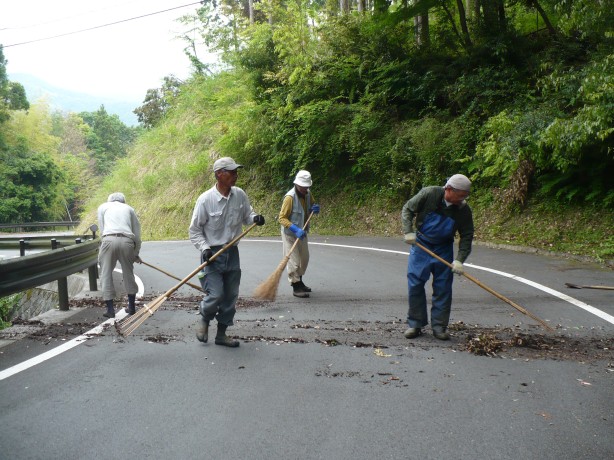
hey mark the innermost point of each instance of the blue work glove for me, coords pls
(298, 231)
(315, 209)
(259, 219)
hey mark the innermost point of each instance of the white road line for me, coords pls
(578, 303)
(139, 283)
(61, 349)
(121, 314)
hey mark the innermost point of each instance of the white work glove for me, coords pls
(457, 267)
(410, 238)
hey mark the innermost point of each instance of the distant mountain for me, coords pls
(70, 101)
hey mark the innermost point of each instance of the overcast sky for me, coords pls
(120, 61)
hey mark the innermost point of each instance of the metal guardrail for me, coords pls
(40, 242)
(22, 227)
(21, 273)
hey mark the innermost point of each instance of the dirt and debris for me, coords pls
(527, 342)
(159, 338)
(47, 333)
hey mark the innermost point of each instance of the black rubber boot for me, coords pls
(131, 310)
(110, 313)
(202, 334)
(222, 339)
(305, 288)
(298, 291)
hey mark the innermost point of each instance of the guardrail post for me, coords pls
(92, 272)
(22, 248)
(62, 285)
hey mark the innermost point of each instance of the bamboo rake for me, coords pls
(127, 325)
(492, 291)
(267, 290)
(171, 275)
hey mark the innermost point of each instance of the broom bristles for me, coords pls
(267, 290)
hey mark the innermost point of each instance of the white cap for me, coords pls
(117, 196)
(303, 178)
(459, 182)
(226, 163)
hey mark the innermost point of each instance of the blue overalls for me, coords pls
(437, 234)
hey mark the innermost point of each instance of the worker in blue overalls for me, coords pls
(432, 218)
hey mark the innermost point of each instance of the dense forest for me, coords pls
(376, 98)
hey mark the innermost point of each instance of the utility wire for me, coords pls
(74, 16)
(99, 27)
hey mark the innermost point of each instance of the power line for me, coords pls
(99, 27)
(75, 16)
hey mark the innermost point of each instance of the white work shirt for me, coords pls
(115, 217)
(217, 219)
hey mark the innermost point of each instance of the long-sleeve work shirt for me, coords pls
(217, 219)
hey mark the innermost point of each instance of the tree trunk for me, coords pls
(535, 4)
(463, 22)
(421, 28)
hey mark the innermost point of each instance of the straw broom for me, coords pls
(126, 326)
(267, 290)
(492, 291)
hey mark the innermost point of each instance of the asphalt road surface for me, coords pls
(328, 377)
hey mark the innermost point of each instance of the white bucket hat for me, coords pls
(303, 179)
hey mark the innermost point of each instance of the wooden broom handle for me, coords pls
(297, 240)
(492, 291)
(170, 274)
(204, 264)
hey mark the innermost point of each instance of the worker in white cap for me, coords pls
(120, 231)
(295, 210)
(432, 218)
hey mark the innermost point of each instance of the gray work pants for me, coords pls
(112, 250)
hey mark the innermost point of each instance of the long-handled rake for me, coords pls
(267, 290)
(172, 276)
(126, 326)
(492, 291)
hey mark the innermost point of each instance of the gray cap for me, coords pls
(117, 196)
(226, 163)
(459, 182)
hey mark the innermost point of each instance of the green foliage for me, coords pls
(7, 305)
(28, 191)
(108, 140)
(157, 102)
(515, 94)
(12, 94)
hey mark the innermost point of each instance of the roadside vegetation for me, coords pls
(378, 99)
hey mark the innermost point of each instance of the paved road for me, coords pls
(330, 376)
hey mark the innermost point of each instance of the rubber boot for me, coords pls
(202, 333)
(222, 339)
(110, 313)
(131, 310)
(298, 291)
(305, 288)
